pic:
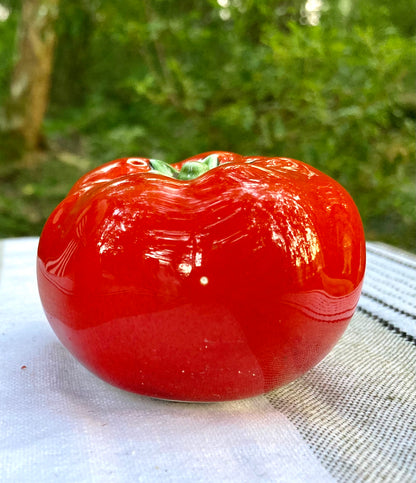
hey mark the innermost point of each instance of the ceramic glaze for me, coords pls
(219, 287)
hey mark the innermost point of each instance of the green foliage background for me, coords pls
(168, 79)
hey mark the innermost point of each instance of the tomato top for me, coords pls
(231, 201)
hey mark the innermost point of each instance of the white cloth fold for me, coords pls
(58, 422)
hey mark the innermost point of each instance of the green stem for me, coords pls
(190, 170)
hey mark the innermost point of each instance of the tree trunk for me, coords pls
(29, 89)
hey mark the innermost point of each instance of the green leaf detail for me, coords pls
(212, 161)
(190, 170)
(163, 168)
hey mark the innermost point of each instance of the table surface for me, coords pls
(350, 419)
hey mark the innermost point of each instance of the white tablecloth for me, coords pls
(351, 418)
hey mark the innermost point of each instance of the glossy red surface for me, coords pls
(218, 288)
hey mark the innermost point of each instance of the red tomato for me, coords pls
(221, 278)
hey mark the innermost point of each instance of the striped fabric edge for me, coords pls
(389, 291)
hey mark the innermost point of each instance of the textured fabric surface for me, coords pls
(350, 419)
(389, 293)
(357, 408)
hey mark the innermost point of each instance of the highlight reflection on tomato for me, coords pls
(217, 278)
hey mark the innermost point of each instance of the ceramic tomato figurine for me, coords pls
(216, 278)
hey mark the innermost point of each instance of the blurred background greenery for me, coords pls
(330, 82)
